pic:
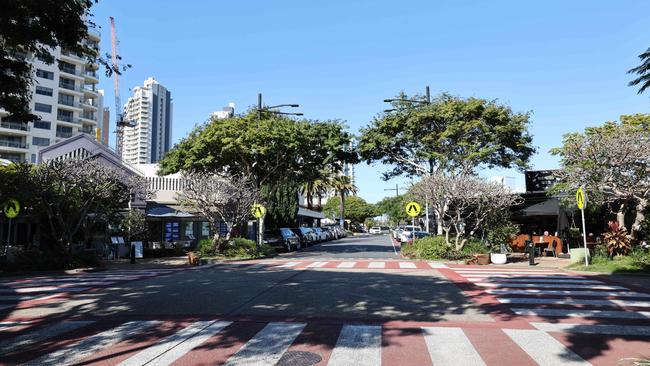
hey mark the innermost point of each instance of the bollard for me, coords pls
(531, 252)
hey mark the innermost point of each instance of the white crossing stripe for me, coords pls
(346, 265)
(39, 335)
(568, 293)
(29, 290)
(407, 265)
(437, 265)
(450, 346)
(503, 276)
(168, 350)
(548, 285)
(538, 273)
(501, 269)
(562, 301)
(608, 329)
(584, 313)
(358, 345)
(92, 344)
(289, 264)
(528, 280)
(268, 345)
(317, 264)
(377, 265)
(544, 349)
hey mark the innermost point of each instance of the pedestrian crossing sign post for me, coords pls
(11, 208)
(581, 201)
(413, 209)
(259, 211)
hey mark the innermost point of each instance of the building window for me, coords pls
(40, 107)
(63, 115)
(33, 158)
(45, 74)
(40, 141)
(44, 90)
(67, 67)
(66, 99)
(67, 83)
(45, 125)
(62, 131)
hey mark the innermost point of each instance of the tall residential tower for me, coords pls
(149, 110)
(64, 96)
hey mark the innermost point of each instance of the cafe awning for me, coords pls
(170, 211)
(310, 213)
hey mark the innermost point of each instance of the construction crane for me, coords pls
(120, 123)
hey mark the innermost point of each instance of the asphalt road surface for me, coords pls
(332, 304)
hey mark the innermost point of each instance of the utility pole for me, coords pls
(396, 189)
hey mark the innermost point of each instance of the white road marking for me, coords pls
(523, 277)
(561, 301)
(288, 264)
(377, 265)
(613, 314)
(548, 285)
(409, 265)
(346, 265)
(437, 265)
(268, 345)
(168, 350)
(544, 349)
(622, 330)
(28, 290)
(450, 346)
(528, 280)
(317, 264)
(568, 293)
(358, 345)
(39, 335)
(92, 344)
(518, 273)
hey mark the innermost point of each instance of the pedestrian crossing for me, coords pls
(239, 342)
(559, 296)
(15, 293)
(351, 264)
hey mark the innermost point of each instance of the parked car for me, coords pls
(375, 230)
(414, 235)
(385, 229)
(341, 233)
(281, 238)
(322, 235)
(407, 229)
(397, 231)
(305, 235)
(333, 232)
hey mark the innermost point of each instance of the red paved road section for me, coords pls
(497, 349)
(401, 344)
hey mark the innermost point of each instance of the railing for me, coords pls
(16, 144)
(68, 119)
(69, 71)
(87, 130)
(64, 135)
(14, 126)
(88, 89)
(90, 116)
(94, 32)
(69, 104)
(90, 73)
(86, 103)
(13, 158)
(69, 87)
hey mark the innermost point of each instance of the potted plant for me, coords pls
(499, 238)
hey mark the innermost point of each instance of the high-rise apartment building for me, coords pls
(225, 112)
(106, 123)
(150, 110)
(64, 96)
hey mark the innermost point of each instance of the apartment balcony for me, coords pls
(89, 104)
(94, 34)
(68, 120)
(13, 157)
(90, 76)
(72, 88)
(90, 91)
(69, 56)
(77, 74)
(64, 135)
(74, 105)
(87, 129)
(11, 144)
(14, 128)
(89, 118)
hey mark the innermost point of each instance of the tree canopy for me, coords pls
(393, 207)
(356, 208)
(450, 134)
(643, 72)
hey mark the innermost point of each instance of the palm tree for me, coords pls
(343, 186)
(321, 186)
(643, 71)
(308, 190)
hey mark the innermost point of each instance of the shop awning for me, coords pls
(550, 207)
(162, 211)
(310, 213)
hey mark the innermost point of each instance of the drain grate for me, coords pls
(299, 358)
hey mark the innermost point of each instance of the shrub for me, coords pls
(236, 248)
(641, 258)
(475, 247)
(433, 247)
(500, 234)
(616, 240)
(206, 248)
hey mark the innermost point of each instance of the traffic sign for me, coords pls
(581, 198)
(11, 208)
(258, 211)
(413, 209)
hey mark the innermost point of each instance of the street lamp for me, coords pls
(270, 109)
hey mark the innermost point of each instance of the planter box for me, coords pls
(498, 258)
(483, 259)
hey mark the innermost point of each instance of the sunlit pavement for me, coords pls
(324, 309)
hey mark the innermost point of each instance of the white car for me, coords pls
(375, 230)
(406, 233)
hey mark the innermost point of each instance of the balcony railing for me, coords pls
(90, 116)
(94, 32)
(89, 89)
(15, 144)
(64, 135)
(14, 126)
(69, 104)
(69, 87)
(70, 71)
(90, 73)
(88, 130)
(69, 119)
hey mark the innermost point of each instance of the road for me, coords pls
(351, 302)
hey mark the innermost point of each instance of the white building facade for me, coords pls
(150, 110)
(64, 96)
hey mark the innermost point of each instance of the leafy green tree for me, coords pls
(356, 208)
(343, 187)
(281, 203)
(643, 72)
(393, 207)
(32, 29)
(612, 162)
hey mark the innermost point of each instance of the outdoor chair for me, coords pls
(551, 249)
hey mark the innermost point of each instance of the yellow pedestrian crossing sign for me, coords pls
(413, 209)
(11, 208)
(258, 211)
(581, 198)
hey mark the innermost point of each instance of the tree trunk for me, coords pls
(640, 217)
(620, 217)
(309, 199)
(342, 210)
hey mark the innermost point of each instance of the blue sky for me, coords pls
(565, 61)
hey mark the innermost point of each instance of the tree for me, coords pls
(643, 72)
(452, 135)
(220, 198)
(612, 162)
(356, 208)
(33, 29)
(393, 207)
(73, 193)
(281, 203)
(470, 201)
(343, 187)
